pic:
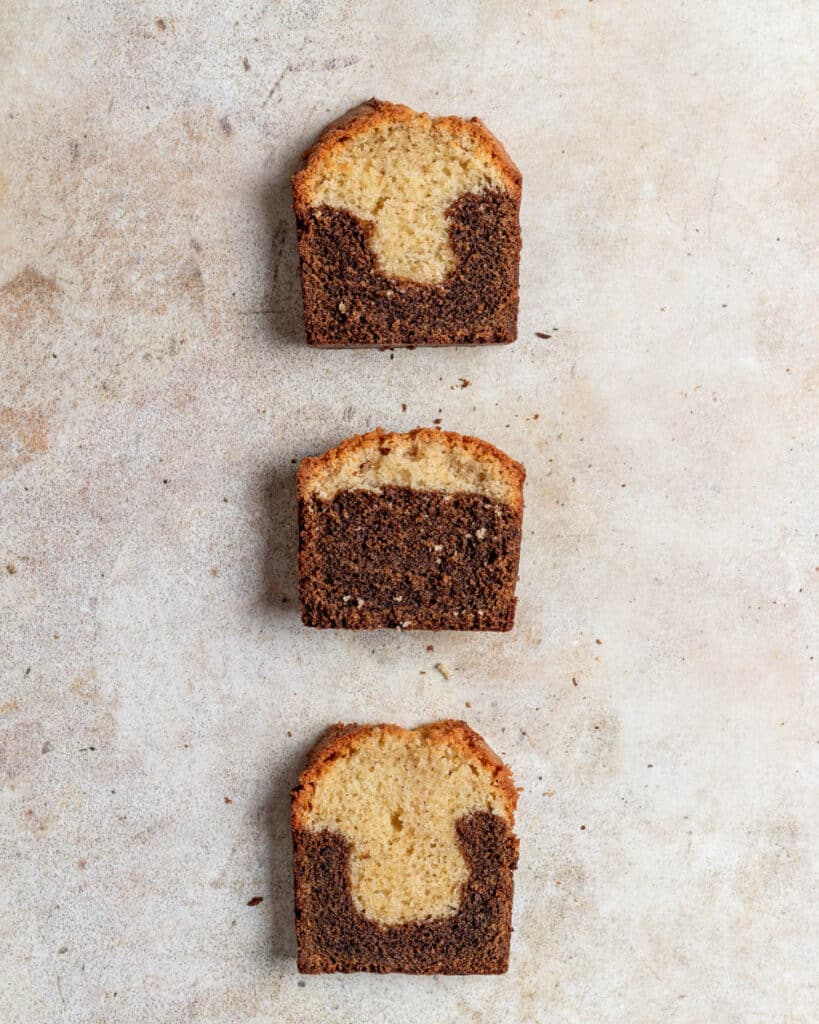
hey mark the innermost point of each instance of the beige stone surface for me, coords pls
(657, 699)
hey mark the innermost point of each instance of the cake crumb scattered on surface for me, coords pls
(443, 669)
(228, 800)
(430, 647)
(464, 382)
(255, 901)
(540, 334)
(599, 642)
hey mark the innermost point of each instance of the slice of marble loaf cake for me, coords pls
(408, 231)
(403, 852)
(410, 531)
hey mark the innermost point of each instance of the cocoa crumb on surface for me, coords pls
(540, 334)
(160, 24)
(467, 704)
(438, 420)
(228, 800)
(430, 647)
(464, 382)
(598, 642)
(11, 568)
(574, 681)
(255, 901)
(403, 407)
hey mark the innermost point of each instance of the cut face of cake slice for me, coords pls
(408, 232)
(410, 531)
(404, 852)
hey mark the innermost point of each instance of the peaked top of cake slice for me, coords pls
(423, 459)
(400, 171)
(396, 796)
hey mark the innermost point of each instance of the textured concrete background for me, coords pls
(158, 692)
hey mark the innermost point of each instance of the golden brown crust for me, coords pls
(375, 112)
(340, 739)
(314, 466)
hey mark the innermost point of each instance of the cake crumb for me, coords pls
(464, 382)
(540, 334)
(11, 568)
(228, 800)
(467, 704)
(443, 669)
(599, 643)
(255, 901)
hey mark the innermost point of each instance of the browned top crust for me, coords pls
(340, 739)
(313, 468)
(374, 112)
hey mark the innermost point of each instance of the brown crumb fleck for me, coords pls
(11, 568)
(540, 334)
(245, 63)
(289, 733)
(255, 901)
(468, 704)
(430, 647)
(464, 382)
(438, 420)
(214, 571)
(574, 681)
(536, 416)
(403, 407)
(160, 24)
(228, 800)
(599, 642)
(582, 828)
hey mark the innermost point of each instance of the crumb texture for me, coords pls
(348, 302)
(396, 799)
(408, 558)
(401, 178)
(334, 936)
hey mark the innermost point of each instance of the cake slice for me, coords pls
(408, 232)
(411, 531)
(404, 852)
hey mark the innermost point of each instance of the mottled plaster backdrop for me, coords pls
(657, 700)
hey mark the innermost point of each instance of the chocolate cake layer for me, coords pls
(333, 936)
(348, 302)
(408, 558)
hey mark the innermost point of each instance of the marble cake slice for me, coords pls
(410, 531)
(404, 852)
(408, 232)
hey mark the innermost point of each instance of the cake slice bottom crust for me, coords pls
(334, 937)
(408, 558)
